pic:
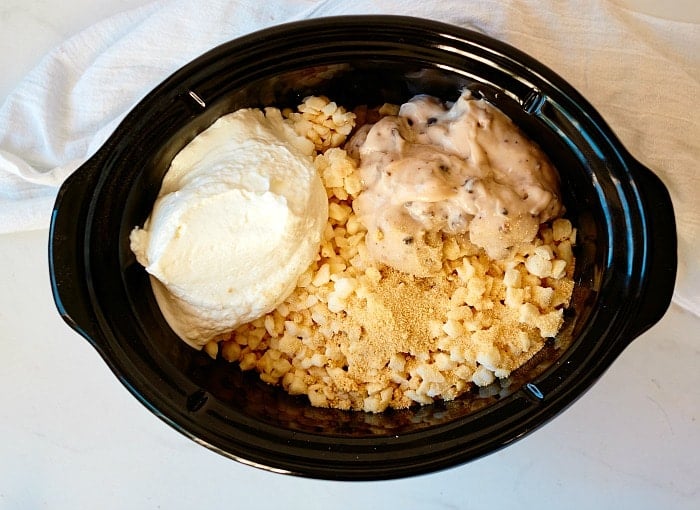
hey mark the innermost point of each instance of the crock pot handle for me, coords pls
(662, 257)
(66, 250)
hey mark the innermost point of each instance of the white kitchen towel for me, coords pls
(641, 72)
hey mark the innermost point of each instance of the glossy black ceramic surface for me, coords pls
(626, 257)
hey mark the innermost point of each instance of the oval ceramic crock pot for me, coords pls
(626, 253)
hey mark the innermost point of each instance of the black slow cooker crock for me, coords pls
(626, 252)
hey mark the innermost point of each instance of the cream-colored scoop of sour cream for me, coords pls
(238, 219)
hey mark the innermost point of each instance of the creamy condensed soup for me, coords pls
(463, 170)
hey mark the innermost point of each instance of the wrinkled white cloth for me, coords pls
(642, 73)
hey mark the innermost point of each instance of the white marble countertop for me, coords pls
(73, 437)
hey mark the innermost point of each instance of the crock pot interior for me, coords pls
(349, 84)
